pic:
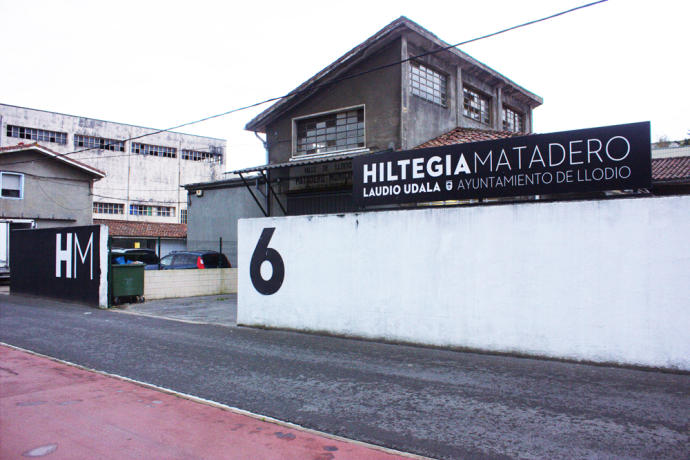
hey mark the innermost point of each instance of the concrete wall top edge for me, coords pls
(482, 206)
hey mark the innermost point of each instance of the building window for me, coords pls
(108, 208)
(195, 155)
(476, 106)
(183, 216)
(140, 210)
(145, 210)
(513, 121)
(40, 135)
(164, 211)
(330, 133)
(11, 185)
(428, 84)
(98, 143)
(155, 150)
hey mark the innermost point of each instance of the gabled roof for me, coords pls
(36, 147)
(461, 135)
(366, 48)
(143, 229)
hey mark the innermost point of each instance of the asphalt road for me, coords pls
(431, 402)
(212, 309)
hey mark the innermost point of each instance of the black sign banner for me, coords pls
(63, 263)
(585, 160)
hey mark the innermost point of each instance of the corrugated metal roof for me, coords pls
(306, 161)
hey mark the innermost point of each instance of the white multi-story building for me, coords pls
(144, 167)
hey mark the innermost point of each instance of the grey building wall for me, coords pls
(424, 120)
(54, 194)
(378, 92)
(214, 215)
(395, 118)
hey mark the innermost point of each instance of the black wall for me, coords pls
(34, 269)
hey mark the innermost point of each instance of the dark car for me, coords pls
(120, 256)
(194, 259)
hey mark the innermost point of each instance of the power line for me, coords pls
(336, 80)
(81, 182)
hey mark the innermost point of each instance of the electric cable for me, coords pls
(298, 91)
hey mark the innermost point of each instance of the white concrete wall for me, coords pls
(603, 281)
(161, 284)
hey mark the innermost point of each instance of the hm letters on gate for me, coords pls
(72, 254)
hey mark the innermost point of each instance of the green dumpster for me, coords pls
(127, 282)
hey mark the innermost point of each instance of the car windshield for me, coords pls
(166, 261)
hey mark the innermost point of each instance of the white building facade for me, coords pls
(144, 171)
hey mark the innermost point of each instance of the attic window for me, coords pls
(331, 132)
(428, 84)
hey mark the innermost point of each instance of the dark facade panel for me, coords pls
(320, 203)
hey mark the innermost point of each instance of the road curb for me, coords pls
(218, 405)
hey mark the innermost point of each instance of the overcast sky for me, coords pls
(163, 63)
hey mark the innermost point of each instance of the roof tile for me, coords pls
(461, 135)
(143, 229)
(676, 168)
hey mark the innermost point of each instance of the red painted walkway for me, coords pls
(53, 410)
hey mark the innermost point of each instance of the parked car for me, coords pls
(194, 259)
(120, 256)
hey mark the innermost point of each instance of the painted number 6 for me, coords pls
(262, 253)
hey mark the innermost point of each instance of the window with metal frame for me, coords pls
(476, 106)
(101, 143)
(11, 185)
(164, 211)
(428, 84)
(196, 155)
(108, 208)
(331, 132)
(154, 150)
(183, 216)
(40, 135)
(146, 210)
(513, 120)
